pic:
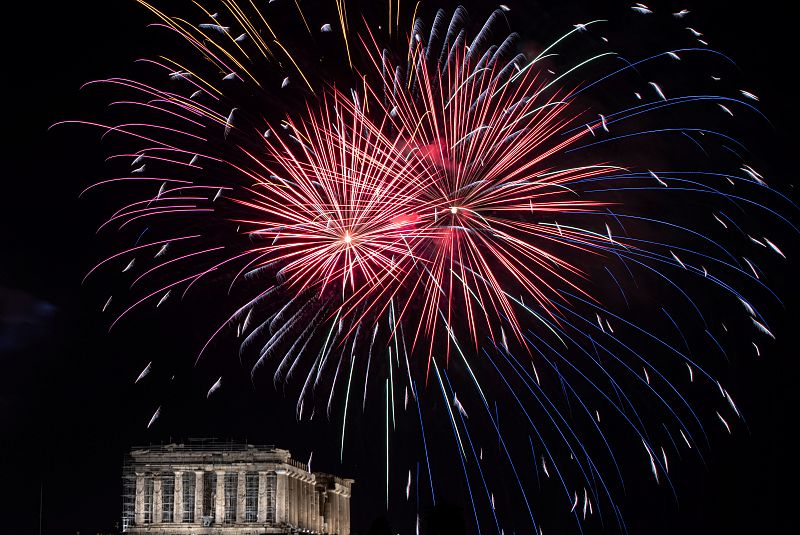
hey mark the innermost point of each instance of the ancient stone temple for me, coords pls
(229, 489)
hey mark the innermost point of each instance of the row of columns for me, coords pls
(199, 490)
(302, 502)
(319, 509)
(336, 511)
(297, 501)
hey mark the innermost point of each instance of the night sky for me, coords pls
(69, 409)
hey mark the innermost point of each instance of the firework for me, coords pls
(463, 232)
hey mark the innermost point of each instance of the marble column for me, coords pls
(312, 519)
(330, 510)
(326, 512)
(240, 494)
(320, 511)
(292, 505)
(219, 505)
(312, 495)
(177, 516)
(298, 500)
(346, 515)
(280, 497)
(298, 504)
(337, 512)
(138, 504)
(198, 496)
(158, 503)
(319, 504)
(291, 513)
(312, 511)
(312, 499)
(262, 497)
(303, 503)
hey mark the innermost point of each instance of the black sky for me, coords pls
(68, 408)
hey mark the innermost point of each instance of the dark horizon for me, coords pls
(69, 408)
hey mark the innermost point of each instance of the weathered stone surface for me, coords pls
(316, 502)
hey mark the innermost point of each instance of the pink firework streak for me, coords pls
(484, 130)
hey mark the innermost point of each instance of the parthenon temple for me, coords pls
(229, 489)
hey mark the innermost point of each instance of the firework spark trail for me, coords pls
(463, 194)
(468, 110)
